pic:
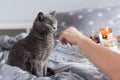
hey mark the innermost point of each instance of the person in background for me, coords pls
(105, 60)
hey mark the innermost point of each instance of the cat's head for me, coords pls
(45, 23)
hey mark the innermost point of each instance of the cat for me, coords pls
(31, 53)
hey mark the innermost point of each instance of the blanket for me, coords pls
(67, 61)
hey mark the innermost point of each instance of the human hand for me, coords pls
(71, 35)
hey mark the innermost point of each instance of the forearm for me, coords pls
(106, 60)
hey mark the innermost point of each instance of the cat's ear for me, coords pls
(40, 16)
(53, 13)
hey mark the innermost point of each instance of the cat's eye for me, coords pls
(50, 22)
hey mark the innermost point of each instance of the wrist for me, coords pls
(81, 39)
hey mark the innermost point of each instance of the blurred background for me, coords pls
(23, 12)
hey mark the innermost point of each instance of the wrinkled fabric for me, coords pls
(68, 66)
(71, 73)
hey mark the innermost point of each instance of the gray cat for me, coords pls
(31, 53)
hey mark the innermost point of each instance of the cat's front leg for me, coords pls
(29, 66)
(45, 68)
(47, 71)
(38, 68)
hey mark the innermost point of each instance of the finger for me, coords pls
(61, 32)
(63, 41)
(65, 31)
(70, 43)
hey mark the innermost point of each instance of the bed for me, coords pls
(67, 61)
(67, 65)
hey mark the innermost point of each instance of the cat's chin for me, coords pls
(53, 30)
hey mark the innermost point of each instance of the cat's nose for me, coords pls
(55, 28)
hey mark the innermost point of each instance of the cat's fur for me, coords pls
(31, 53)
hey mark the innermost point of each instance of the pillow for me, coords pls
(87, 20)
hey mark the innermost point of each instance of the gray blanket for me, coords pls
(68, 63)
